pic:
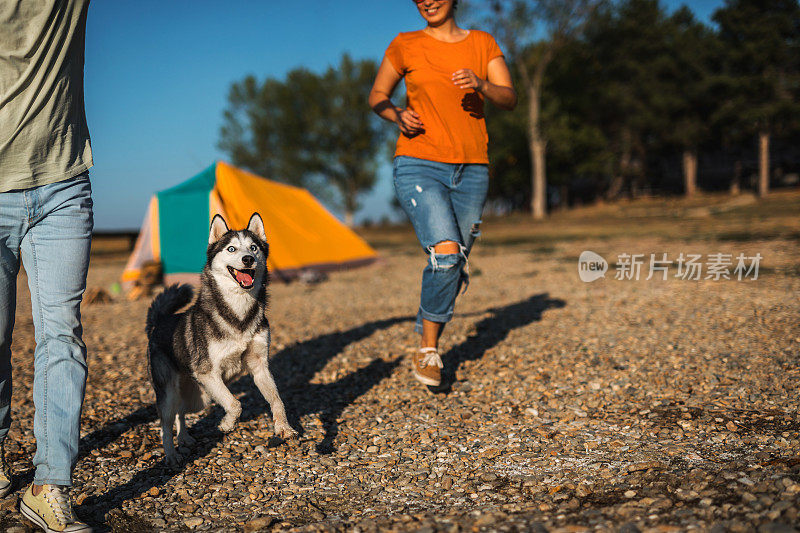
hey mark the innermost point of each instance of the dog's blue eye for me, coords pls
(231, 249)
(253, 247)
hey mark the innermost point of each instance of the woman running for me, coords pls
(441, 164)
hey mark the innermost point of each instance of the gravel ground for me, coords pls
(570, 406)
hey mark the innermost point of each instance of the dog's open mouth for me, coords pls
(244, 277)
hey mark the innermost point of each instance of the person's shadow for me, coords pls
(491, 331)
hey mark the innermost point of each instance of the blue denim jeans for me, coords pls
(50, 229)
(444, 202)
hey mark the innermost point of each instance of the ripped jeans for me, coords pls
(444, 202)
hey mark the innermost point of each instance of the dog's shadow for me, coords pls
(293, 368)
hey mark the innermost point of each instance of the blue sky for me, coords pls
(157, 75)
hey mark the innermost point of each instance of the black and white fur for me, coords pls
(194, 354)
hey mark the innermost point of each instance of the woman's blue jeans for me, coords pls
(50, 229)
(444, 202)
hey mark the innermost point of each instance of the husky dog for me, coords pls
(192, 355)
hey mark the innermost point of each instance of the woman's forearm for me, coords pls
(382, 105)
(501, 96)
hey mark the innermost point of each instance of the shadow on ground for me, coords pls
(293, 368)
(492, 330)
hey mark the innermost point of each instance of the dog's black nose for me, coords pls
(248, 260)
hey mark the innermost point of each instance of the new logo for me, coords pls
(591, 266)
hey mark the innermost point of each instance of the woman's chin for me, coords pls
(435, 20)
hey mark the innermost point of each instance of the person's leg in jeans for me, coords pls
(55, 253)
(467, 195)
(444, 203)
(13, 222)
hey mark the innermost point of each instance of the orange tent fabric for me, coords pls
(301, 233)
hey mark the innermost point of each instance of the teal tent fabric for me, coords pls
(183, 223)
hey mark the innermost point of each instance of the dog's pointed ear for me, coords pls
(218, 229)
(256, 225)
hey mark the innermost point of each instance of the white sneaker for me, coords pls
(51, 510)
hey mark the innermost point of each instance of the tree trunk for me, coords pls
(537, 149)
(539, 181)
(618, 179)
(536, 141)
(737, 178)
(763, 163)
(614, 188)
(348, 218)
(689, 172)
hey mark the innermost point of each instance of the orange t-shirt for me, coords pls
(455, 130)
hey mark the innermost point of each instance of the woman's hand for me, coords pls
(409, 123)
(466, 79)
(497, 88)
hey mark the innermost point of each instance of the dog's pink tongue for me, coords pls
(244, 278)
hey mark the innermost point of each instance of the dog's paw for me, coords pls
(284, 430)
(184, 439)
(172, 460)
(227, 423)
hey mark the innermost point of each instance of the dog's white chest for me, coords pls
(228, 356)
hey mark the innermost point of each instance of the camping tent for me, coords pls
(302, 234)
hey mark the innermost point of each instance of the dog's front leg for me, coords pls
(258, 366)
(216, 388)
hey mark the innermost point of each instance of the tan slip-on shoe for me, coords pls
(427, 366)
(51, 510)
(5, 474)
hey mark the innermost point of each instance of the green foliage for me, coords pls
(309, 129)
(760, 71)
(510, 158)
(624, 97)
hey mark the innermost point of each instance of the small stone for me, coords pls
(628, 527)
(193, 522)
(153, 491)
(630, 494)
(485, 520)
(638, 467)
(258, 524)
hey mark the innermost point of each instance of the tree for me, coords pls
(516, 24)
(266, 125)
(309, 130)
(695, 54)
(761, 70)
